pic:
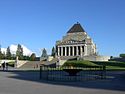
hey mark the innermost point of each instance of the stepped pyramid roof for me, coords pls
(76, 28)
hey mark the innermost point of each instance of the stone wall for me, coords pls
(96, 58)
(19, 63)
(75, 36)
(2, 61)
(50, 58)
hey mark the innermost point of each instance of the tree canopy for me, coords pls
(19, 52)
(8, 53)
(53, 52)
(33, 57)
(44, 53)
(2, 55)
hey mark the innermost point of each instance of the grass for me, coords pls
(110, 65)
(11, 64)
(79, 63)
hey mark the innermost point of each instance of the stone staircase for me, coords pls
(21, 63)
(61, 62)
(68, 57)
(30, 64)
(53, 61)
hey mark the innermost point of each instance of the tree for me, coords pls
(8, 53)
(53, 52)
(33, 57)
(0, 53)
(122, 55)
(44, 53)
(111, 57)
(13, 56)
(26, 57)
(2, 56)
(19, 52)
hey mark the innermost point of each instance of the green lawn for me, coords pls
(79, 63)
(11, 64)
(110, 65)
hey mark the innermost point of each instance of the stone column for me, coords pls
(85, 50)
(69, 51)
(58, 51)
(81, 51)
(65, 51)
(61, 51)
(77, 52)
(72, 50)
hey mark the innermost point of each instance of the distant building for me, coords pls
(77, 44)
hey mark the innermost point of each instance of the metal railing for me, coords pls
(69, 73)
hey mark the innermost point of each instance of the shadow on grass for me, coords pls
(110, 63)
(117, 83)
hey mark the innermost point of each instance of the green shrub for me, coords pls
(11, 64)
(79, 63)
(110, 63)
(122, 55)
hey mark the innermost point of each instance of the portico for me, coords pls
(75, 43)
(71, 50)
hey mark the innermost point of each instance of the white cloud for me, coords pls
(26, 51)
(13, 49)
(3, 50)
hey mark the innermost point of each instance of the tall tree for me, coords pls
(1, 56)
(0, 49)
(53, 52)
(33, 57)
(8, 53)
(44, 53)
(19, 52)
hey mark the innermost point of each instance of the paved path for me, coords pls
(19, 82)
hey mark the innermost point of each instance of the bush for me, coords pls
(110, 63)
(79, 63)
(11, 64)
(122, 55)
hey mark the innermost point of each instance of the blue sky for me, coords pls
(39, 23)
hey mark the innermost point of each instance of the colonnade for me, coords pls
(71, 50)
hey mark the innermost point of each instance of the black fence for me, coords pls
(60, 73)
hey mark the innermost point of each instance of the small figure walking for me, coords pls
(6, 66)
(3, 66)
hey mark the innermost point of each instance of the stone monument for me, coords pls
(16, 62)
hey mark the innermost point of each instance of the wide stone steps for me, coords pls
(31, 64)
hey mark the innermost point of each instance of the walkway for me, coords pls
(27, 82)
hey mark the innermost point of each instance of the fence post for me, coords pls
(40, 72)
(88, 72)
(104, 71)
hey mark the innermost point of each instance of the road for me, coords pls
(27, 82)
